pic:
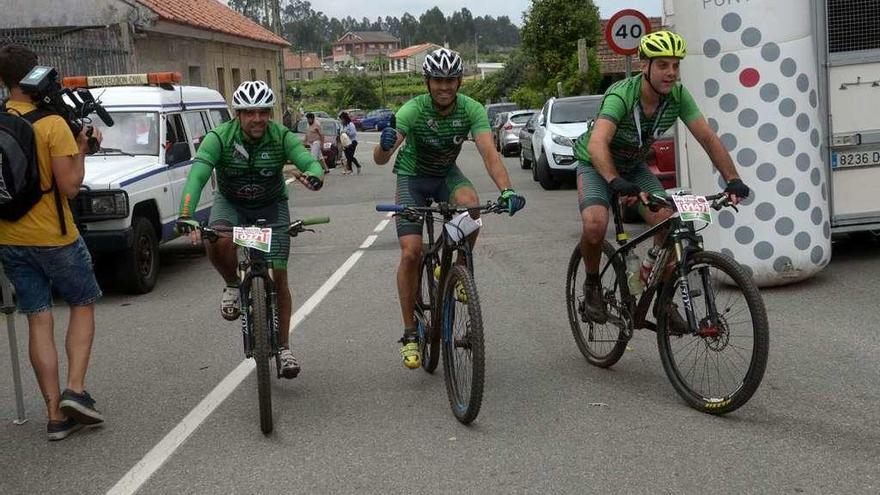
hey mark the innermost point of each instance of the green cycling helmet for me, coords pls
(662, 44)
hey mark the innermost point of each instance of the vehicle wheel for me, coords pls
(523, 163)
(602, 345)
(429, 339)
(463, 352)
(545, 177)
(534, 171)
(259, 305)
(731, 345)
(138, 266)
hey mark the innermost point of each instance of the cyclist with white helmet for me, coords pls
(634, 112)
(248, 154)
(432, 127)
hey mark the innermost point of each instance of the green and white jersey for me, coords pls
(434, 142)
(248, 173)
(635, 132)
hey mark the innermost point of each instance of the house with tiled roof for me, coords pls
(206, 41)
(362, 47)
(299, 65)
(410, 59)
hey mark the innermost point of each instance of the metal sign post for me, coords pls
(7, 306)
(624, 31)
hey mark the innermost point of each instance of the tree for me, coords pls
(551, 29)
(432, 26)
(356, 91)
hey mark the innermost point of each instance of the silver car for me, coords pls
(506, 133)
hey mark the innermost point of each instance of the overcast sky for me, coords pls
(511, 8)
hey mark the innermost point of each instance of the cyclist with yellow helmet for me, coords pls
(634, 113)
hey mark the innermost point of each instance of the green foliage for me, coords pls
(552, 28)
(498, 85)
(526, 97)
(355, 91)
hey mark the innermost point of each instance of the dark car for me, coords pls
(506, 133)
(377, 119)
(356, 115)
(494, 109)
(526, 155)
(331, 130)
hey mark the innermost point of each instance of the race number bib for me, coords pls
(253, 237)
(693, 208)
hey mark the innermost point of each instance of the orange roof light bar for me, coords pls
(154, 78)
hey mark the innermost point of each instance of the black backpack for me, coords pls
(19, 168)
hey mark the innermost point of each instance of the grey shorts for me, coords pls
(229, 214)
(593, 190)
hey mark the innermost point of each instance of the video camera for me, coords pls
(42, 84)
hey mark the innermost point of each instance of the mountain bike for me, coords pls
(259, 299)
(447, 309)
(718, 363)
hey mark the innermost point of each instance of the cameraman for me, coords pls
(37, 257)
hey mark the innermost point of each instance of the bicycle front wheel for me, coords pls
(718, 366)
(259, 323)
(602, 344)
(463, 351)
(429, 340)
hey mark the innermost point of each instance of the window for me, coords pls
(195, 75)
(221, 82)
(236, 77)
(176, 146)
(269, 79)
(195, 121)
(253, 74)
(309, 75)
(372, 45)
(219, 116)
(853, 26)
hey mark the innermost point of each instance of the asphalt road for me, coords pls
(356, 421)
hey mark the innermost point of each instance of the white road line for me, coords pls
(156, 457)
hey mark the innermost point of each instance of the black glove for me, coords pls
(623, 187)
(738, 188)
(314, 182)
(185, 225)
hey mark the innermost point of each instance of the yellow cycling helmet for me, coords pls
(662, 44)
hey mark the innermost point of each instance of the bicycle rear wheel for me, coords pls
(259, 322)
(717, 367)
(429, 340)
(601, 344)
(463, 351)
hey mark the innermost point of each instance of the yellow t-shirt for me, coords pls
(40, 226)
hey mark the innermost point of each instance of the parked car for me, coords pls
(526, 155)
(561, 121)
(506, 134)
(661, 160)
(377, 119)
(318, 114)
(331, 129)
(356, 115)
(494, 109)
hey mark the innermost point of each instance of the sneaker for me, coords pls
(594, 305)
(409, 351)
(80, 407)
(230, 308)
(289, 367)
(59, 430)
(676, 325)
(460, 294)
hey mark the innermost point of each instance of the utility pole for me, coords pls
(382, 78)
(276, 28)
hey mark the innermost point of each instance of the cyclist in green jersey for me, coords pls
(633, 113)
(248, 155)
(432, 127)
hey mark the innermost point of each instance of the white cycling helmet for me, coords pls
(443, 63)
(253, 94)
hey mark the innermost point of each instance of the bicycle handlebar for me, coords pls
(442, 208)
(293, 229)
(720, 200)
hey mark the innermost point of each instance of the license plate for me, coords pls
(848, 159)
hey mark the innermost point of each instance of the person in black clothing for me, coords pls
(349, 129)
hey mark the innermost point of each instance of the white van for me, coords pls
(132, 188)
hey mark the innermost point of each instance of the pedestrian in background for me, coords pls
(43, 250)
(349, 130)
(315, 138)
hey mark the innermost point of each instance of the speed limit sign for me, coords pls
(624, 30)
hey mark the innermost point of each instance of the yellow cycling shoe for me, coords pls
(410, 354)
(460, 294)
